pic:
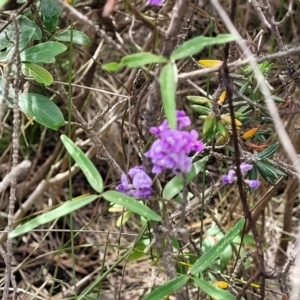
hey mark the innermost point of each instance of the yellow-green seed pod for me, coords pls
(238, 114)
(201, 109)
(221, 141)
(222, 129)
(198, 99)
(209, 123)
(222, 98)
(226, 118)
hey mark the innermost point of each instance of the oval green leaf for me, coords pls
(131, 204)
(168, 82)
(168, 288)
(175, 185)
(87, 167)
(43, 53)
(40, 74)
(268, 152)
(54, 214)
(26, 23)
(8, 36)
(214, 252)
(195, 45)
(42, 110)
(78, 37)
(50, 12)
(213, 291)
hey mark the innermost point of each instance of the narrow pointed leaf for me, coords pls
(142, 59)
(54, 214)
(42, 110)
(168, 288)
(214, 252)
(131, 204)
(266, 172)
(213, 291)
(112, 66)
(87, 167)
(266, 169)
(168, 82)
(175, 185)
(268, 152)
(195, 45)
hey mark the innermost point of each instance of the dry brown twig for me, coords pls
(9, 277)
(75, 15)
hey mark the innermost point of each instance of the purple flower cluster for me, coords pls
(172, 148)
(139, 185)
(170, 151)
(231, 176)
(155, 2)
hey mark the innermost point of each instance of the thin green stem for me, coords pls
(70, 69)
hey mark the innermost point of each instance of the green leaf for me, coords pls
(213, 291)
(135, 60)
(124, 218)
(142, 59)
(168, 82)
(214, 252)
(78, 37)
(252, 174)
(54, 214)
(2, 2)
(50, 12)
(195, 45)
(26, 23)
(168, 288)
(175, 185)
(200, 109)
(42, 110)
(112, 66)
(267, 166)
(44, 52)
(139, 249)
(87, 167)
(268, 172)
(6, 41)
(226, 255)
(131, 204)
(268, 152)
(199, 100)
(40, 74)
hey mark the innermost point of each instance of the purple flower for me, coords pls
(182, 119)
(155, 2)
(230, 178)
(245, 167)
(254, 184)
(172, 148)
(141, 183)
